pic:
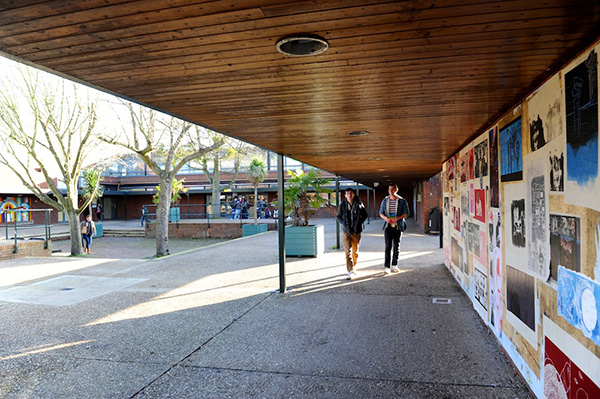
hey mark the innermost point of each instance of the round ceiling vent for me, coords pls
(301, 46)
(358, 133)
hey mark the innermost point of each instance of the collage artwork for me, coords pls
(522, 231)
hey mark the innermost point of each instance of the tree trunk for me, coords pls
(75, 229)
(162, 215)
(255, 205)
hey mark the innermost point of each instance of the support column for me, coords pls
(368, 206)
(281, 222)
(337, 206)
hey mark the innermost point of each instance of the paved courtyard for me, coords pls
(210, 323)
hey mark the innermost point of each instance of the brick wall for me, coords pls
(25, 248)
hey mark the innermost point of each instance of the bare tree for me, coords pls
(47, 127)
(165, 145)
(229, 150)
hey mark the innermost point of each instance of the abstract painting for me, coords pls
(495, 257)
(581, 101)
(565, 243)
(511, 151)
(494, 172)
(520, 301)
(536, 209)
(579, 302)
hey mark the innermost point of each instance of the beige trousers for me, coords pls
(351, 243)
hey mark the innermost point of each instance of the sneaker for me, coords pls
(395, 269)
(349, 276)
(387, 270)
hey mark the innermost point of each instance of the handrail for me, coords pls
(205, 211)
(47, 225)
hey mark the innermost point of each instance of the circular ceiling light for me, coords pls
(301, 46)
(358, 133)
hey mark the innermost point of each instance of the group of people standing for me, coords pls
(240, 208)
(352, 214)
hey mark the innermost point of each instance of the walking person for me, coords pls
(145, 214)
(88, 229)
(99, 212)
(351, 215)
(393, 210)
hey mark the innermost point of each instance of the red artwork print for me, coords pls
(563, 379)
(480, 205)
(471, 164)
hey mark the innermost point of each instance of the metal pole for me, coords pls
(368, 206)
(337, 206)
(16, 246)
(375, 213)
(281, 222)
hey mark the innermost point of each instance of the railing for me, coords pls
(208, 212)
(26, 225)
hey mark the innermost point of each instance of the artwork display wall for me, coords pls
(528, 238)
(9, 203)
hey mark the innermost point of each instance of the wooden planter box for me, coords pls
(99, 229)
(251, 229)
(174, 215)
(305, 240)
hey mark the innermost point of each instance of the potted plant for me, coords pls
(302, 194)
(93, 191)
(257, 172)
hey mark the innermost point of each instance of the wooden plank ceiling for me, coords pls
(421, 76)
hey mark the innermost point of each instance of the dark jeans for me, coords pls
(392, 245)
(87, 241)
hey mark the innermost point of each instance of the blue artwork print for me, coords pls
(511, 152)
(579, 302)
(581, 98)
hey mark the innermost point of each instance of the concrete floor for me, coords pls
(210, 323)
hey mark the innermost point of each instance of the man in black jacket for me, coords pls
(351, 215)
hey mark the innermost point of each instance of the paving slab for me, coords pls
(209, 323)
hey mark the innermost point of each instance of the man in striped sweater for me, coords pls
(393, 210)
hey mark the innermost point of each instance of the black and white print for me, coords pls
(517, 214)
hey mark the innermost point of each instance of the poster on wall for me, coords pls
(495, 259)
(494, 172)
(537, 221)
(579, 302)
(570, 370)
(480, 290)
(9, 203)
(451, 169)
(565, 243)
(556, 162)
(464, 204)
(471, 164)
(581, 105)
(520, 303)
(481, 159)
(480, 205)
(545, 115)
(473, 238)
(515, 233)
(456, 218)
(562, 378)
(511, 151)
(454, 246)
(464, 167)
